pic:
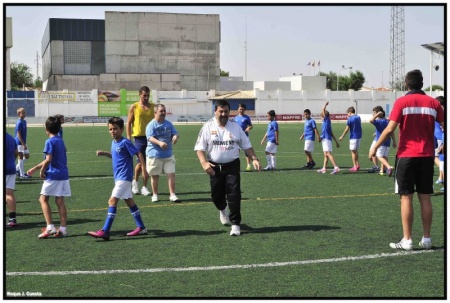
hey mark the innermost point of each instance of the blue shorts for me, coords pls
(141, 145)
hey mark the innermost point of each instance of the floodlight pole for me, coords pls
(343, 67)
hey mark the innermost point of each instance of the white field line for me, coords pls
(209, 268)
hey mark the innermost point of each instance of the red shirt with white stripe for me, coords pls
(416, 113)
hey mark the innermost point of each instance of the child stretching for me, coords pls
(122, 152)
(327, 142)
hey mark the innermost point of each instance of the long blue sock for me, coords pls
(137, 216)
(109, 218)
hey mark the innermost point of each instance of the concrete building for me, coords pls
(8, 45)
(165, 51)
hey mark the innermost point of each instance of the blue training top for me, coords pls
(310, 125)
(326, 129)
(57, 170)
(354, 123)
(122, 152)
(380, 124)
(162, 132)
(244, 121)
(21, 127)
(10, 160)
(272, 127)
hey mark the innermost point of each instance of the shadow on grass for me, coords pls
(91, 176)
(121, 235)
(41, 224)
(277, 229)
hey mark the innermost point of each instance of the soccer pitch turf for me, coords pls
(304, 234)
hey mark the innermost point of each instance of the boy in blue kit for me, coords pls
(380, 122)
(272, 141)
(354, 126)
(327, 142)
(122, 152)
(10, 177)
(20, 133)
(310, 132)
(56, 174)
(245, 123)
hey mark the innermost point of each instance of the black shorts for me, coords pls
(141, 144)
(414, 174)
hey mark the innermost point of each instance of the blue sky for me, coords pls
(281, 40)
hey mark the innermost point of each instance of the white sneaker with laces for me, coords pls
(134, 187)
(223, 214)
(403, 244)
(155, 198)
(426, 244)
(235, 230)
(174, 198)
(144, 191)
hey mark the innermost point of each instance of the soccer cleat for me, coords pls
(134, 187)
(442, 189)
(18, 173)
(268, 167)
(405, 245)
(311, 164)
(425, 244)
(306, 165)
(373, 169)
(335, 171)
(174, 198)
(322, 171)
(389, 171)
(11, 223)
(25, 177)
(61, 234)
(138, 231)
(155, 198)
(223, 214)
(99, 234)
(353, 169)
(381, 173)
(47, 233)
(235, 230)
(144, 191)
(439, 181)
(249, 168)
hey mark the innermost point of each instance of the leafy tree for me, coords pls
(20, 76)
(433, 87)
(354, 80)
(38, 83)
(224, 73)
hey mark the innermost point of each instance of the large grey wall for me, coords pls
(187, 45)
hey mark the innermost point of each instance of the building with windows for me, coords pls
(165, 51)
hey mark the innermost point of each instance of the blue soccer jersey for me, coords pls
(380, 125)
(244, 121)
(57, 170)
(122, 152)
(272, 127)
(10, 160)
(309, 127)
(162, 132)
(326, 129)
(21, 127)
(354, 123)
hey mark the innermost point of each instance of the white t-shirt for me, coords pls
(221, 144)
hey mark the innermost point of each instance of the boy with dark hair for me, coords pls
(56, 174)
(380, 122)
(122, 152)
(354, 126)
(272, 141)
(327, 142)
(245, 123)
(310, 132)
(415, 114)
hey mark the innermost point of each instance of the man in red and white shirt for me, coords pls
(415, 114)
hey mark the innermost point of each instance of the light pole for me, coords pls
(343, 67)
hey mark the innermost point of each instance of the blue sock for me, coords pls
(109, 219)
(137, 216)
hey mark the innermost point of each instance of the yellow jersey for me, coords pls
(142, 117)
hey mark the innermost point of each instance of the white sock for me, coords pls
(426, 239)
(62, 229)
(268, 160)
(50, 227)
(21, 169)
(273, 160)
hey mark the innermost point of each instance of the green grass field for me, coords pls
(304, 234)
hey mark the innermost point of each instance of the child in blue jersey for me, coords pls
(56, 174)
(380, 122)
(309, 134)
(122, 152)
(441, 152)
(272, 141)
(245, 123)
(10, 177)
(354, 126)
(327, 142)
(438, 134)
(20, 133)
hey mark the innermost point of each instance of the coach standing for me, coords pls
(217, 149)
(415, 114)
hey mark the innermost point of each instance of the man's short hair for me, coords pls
(414, 80)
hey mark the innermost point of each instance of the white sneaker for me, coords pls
(223, 214)
(144, 191)
(174, 198)
(403, 244)
(425, 244)
(155, 198)
(134, 187)
(235, 230)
